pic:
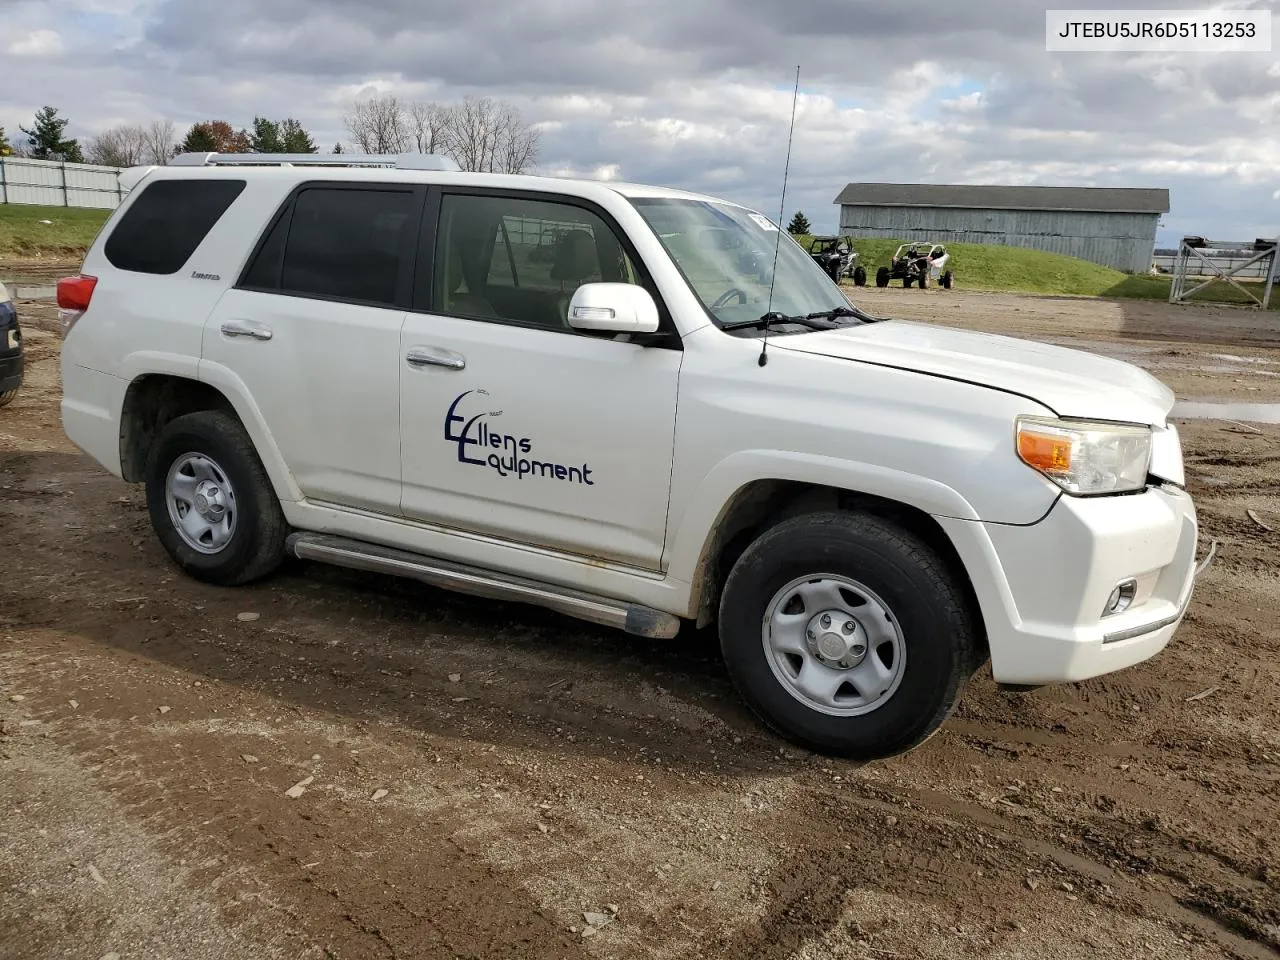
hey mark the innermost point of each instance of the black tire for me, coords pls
(924, 278)
(938, 629)
(882, 277)
(859, 276)
(256, 546)
(946, 280)
(906, 280)
(7, 396)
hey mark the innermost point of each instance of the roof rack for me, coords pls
(398, 161)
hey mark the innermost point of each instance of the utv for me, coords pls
(837, 259)
(917, 263)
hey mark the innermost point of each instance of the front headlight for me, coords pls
(1084, 457)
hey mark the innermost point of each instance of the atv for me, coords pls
(837, 259)
(917, 263)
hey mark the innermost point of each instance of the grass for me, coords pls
(1019, 270)
(68, 234)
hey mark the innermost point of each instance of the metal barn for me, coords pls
(1113, 226)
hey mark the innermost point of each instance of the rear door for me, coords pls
(312, 330)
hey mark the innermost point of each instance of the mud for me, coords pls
(148, 736)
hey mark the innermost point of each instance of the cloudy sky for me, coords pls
(697, 94)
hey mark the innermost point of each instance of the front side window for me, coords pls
(336, 243)
(726, 254)
(519, 261)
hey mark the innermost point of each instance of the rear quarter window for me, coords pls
(162, 228)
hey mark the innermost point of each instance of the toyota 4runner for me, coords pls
(670, 415)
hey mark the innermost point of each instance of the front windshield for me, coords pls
(726, 253)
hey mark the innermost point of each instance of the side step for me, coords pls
(342, 552)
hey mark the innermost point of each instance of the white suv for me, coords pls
(634, 405)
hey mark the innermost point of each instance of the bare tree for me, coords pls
(160, 141)
(122, 146)
(378, 125)
(490, 136)
(429, 123)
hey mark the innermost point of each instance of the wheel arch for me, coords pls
(758, 505)
(154, 399)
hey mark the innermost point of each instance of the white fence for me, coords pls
(1256, 271)
(59, 184)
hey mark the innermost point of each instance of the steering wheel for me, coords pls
(723, 299)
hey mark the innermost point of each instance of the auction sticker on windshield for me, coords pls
(762, 222)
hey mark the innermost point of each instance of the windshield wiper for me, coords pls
(843, 312)
(769, 319)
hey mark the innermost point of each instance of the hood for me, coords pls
(1072, 383)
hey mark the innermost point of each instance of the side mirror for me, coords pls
(613, 308)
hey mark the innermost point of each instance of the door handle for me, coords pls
(241, 328)
(435, 357)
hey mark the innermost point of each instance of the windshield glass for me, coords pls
(726, 254)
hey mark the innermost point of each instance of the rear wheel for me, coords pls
(7, 397)
(882, 277)
(924, 278)
(946, 280)
(906, 280)
(859, 276)
(847, 634)
(211, 504)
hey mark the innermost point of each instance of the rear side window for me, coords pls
(340, 244)
(162, 228)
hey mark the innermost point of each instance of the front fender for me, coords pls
(722, 483)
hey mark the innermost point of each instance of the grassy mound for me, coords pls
(68, 232)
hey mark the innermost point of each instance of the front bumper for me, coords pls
(1042, 587)
(10, 372)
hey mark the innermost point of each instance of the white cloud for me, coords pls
(37, 43)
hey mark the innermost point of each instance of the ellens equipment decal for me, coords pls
(481, 445)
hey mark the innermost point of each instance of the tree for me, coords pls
(378, 125)
(159, 141)
(799, 225)
(490, 136)
(46, 139)
(122, 146)
(266, 136)
(337, 148)
(294, 137)
(429, 123)
(5, 149)
(215, 136)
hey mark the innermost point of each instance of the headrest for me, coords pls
(575, 256)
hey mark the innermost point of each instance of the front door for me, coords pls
(514, 424)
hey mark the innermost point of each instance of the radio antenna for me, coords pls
(782, 206)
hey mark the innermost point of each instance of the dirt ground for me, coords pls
(479, 775)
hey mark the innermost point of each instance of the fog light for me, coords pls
(1121, 598)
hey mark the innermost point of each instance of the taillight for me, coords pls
(74, 294)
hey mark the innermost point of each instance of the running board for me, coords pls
(343, 552)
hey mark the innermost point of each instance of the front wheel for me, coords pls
(882, 277)
(211, 503)
(6, 396)
(946, 280)
(859, 276)
(847, 634)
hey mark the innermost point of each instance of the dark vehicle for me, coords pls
(837, 259)
(917, 263)
(10, 349)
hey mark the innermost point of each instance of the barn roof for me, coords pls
(983, 197)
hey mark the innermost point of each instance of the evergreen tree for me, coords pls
(46, 138)
(337, 148)
(266, 137)
(5, 149)
(294, 137)
(799, 224)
